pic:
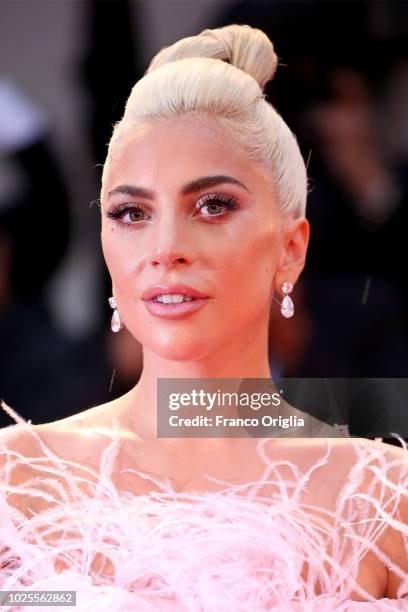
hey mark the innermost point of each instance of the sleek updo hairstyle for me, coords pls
(219, 76)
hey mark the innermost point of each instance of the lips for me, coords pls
(173, 311)
(155, 290)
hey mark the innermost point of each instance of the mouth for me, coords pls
(177, 298)
(174, 309)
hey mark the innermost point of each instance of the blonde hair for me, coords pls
(188, 79)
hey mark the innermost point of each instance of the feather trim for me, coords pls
(233, 549)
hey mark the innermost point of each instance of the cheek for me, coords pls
(116, 252)
(249, 260)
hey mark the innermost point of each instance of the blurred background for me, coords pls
(66, 69)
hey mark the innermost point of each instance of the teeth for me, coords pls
(178, 298)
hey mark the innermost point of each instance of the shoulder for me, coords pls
(365, 472)
(361, 452)
(369, 464)
(26, 449)
(80, 438)
(20, 450)
(19, 441)
(394, 540)
(369, 478)
(37, 462)
(381, 475)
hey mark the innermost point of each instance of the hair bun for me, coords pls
(242, 46)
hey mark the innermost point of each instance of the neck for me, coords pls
(244, 356)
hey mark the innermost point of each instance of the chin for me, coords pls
(179, 352)
(177, 346)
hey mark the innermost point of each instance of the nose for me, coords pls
(168, 249)
(167, 258)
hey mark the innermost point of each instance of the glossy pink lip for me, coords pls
(151, 292)
(175, 311)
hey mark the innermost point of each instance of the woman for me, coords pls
(203, 195)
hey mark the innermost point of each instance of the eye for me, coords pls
(132, 212)
(213, 202)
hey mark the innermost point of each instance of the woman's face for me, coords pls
(222, 237)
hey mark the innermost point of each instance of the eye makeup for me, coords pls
(209, 201)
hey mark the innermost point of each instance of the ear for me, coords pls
(295, 240)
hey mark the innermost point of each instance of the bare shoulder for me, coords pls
(19, 441)
(348, 450)
(75, 438)
(394, 540)
(20, 450)
(341, 457)
(365, 470)
(384, 479)
(333, 462)
(79, 439)
(65, 438)
(27, 451)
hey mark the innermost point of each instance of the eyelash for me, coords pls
(230, 203)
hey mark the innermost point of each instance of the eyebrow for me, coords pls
(191, 187)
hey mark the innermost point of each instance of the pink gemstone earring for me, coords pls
(287, 307)
(116, 322)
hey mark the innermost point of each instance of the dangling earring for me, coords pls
(116, 322)
(287, 307)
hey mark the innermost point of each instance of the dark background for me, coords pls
(66, 69)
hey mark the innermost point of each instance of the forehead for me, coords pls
(172, 151)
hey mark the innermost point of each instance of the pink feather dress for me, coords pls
(226, 551)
